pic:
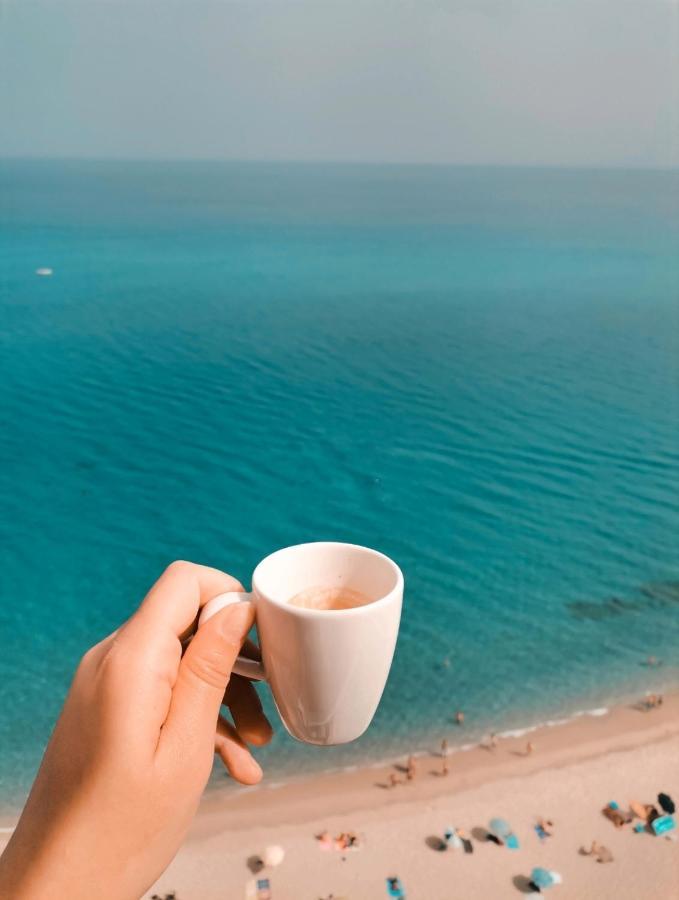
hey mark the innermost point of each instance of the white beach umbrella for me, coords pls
(273, 855)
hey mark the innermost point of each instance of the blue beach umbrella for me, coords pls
(543, 878)
(500, 828)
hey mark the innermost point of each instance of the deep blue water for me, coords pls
(476, 371)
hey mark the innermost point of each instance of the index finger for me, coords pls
(175, 600)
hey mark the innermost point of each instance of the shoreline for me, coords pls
(586, 734)
(217, 794)
(470, 736)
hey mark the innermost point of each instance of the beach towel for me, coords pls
(512, 842)
(663, 824)
(395, 888)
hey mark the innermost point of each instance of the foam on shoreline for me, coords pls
(385, 762)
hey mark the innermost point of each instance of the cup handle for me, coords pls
(248, 668)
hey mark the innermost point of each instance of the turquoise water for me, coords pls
(476, 371)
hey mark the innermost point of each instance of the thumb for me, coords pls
(204, 673)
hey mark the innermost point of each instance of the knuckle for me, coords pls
(179, 567)
(211, 666)
(89, 658)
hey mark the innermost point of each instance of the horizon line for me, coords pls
(341, 162)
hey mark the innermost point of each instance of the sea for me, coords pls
(474, 370)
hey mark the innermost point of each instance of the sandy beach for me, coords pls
(575, 769)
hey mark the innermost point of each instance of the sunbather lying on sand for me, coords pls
(617, 816)
(544, 828)
(599, 852)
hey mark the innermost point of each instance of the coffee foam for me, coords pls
(324, 598)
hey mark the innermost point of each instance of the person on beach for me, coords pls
(325, 841)
(529, 748)
(544, 828)
(444, 757)
(653, 701)
(133, 749)
(492, 741)
(394, 780)
(599, 852)
(459, 717)
(411, 770)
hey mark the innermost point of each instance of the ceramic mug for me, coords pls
(326, 668)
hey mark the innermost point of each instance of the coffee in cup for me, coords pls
(328, 598)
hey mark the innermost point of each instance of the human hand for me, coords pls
(133, 748)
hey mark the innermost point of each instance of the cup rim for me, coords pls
(325, 613)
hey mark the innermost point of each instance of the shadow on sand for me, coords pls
(523, 884)
(434, 842)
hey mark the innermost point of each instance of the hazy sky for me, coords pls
(585, 82)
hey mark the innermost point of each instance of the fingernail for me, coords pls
(236, 619)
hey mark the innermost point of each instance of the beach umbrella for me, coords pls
(452, 838)
(273, 855)
(667, 803)
(543, 878)
(500, 828)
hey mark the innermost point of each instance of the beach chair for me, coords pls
(264, 889)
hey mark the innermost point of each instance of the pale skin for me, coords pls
(133, 748)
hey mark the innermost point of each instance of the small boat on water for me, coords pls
(43, 272)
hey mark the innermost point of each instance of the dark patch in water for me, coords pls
(654, 594)
(662, 592)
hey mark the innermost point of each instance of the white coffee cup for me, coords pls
(326, 668)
